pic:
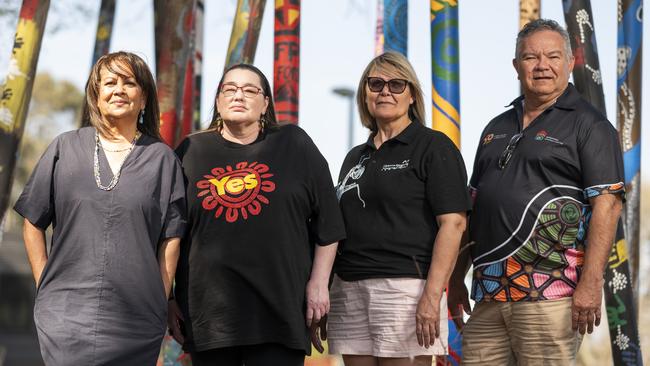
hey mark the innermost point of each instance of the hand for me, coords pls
(318, 301)
(458, 301)
(427, 319)
(175, 321)
(585, 308)
(315, 329)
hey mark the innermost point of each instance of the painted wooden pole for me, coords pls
(187, 111)
(379, 29)
(628, 117)
(173, 35)
(198, 62)
(286, 66)
(245, 32)
(622, 318)
(104, 29)
(102, 42)
(619, 295)
(445, 71)
(529, 10)
(622, 304)
(587, 76)
(445, 95)
(173, 30)
(395, 25)
(188, 108)
(17, 90)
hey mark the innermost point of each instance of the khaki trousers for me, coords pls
(521, 333)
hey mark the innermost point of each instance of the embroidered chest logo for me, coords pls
(488, 138)
(543, 136)
(491, 137)
(403, 165)
(236, 193)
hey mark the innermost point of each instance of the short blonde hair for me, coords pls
(396, 63)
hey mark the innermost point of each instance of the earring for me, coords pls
(141, 118)
(219, 122)
(262, 122)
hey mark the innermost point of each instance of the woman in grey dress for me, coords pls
(114, 195)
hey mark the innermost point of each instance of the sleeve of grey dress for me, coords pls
(36, 203)
(174, 224)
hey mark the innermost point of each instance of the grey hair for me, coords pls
(538, 25)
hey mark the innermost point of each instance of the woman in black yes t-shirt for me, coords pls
(259, 196)
(404, 201)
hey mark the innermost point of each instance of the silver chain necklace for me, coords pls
(116, 150)
(116, 177)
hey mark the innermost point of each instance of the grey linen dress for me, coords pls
(101, 299)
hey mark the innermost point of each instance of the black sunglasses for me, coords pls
(395, 86)
(510, 148)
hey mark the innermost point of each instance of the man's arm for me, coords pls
(587, 298)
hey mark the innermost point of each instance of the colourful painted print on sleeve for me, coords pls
(531, 215)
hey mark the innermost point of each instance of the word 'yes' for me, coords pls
(234, 185)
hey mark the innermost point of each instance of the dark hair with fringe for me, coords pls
(125, 64)
(269, 116)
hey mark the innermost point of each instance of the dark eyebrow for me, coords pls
(245, 85)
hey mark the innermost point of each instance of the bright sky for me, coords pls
(337, 41)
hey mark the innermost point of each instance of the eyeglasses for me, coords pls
(510, 148)
(249, 91)
(395, 86)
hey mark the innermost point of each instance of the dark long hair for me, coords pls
(269, 116)
(120, 63)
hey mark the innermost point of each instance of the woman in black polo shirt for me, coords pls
(404, 201)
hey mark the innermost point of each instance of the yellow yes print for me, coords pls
(234, 184)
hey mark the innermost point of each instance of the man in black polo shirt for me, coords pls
(547, 186)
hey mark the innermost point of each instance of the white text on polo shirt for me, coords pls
(543, 136)
(402, 165)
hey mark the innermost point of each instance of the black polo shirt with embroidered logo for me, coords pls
(531, 216)
(390, 198)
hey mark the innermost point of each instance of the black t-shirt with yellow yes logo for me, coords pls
(254, 214)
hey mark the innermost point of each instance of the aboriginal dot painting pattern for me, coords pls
(547, 266)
